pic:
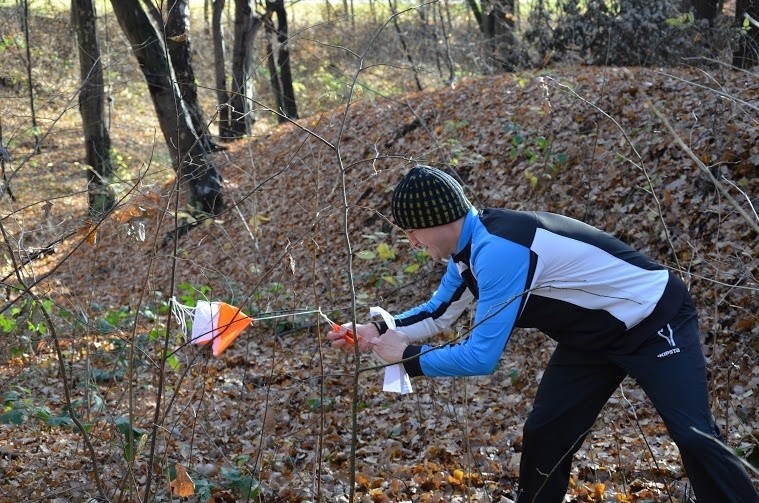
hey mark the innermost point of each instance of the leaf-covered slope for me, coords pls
(580, 142)
(584, 142)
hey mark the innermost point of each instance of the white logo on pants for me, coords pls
(670, 338)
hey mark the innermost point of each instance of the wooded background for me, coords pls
(245, 152)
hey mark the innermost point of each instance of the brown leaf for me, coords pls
(88, 232)
(129, 213)
(182, 485)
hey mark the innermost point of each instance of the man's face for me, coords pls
(440, 241)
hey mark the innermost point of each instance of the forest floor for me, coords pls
(273, 416)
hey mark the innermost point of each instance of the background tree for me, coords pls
(97, 140)
(247, 24)
(195, 169)
(706, 9)
(220, 73)
(498, 25)
(496, 20)
(28, 63)
(279, 58)
(180, 55)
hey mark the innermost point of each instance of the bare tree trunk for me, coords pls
(477, 14)
(247, 23)
(5, 156)
(180, 54)
(448, 59)
(197, 173)
(220, 73)
(271, 63)
(499, 24)
(283, 86)
(29, 82)
(97, 140)
(747, 20)
(706, 9)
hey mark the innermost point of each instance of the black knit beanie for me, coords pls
(428, 197)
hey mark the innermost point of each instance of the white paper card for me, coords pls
(396, 378)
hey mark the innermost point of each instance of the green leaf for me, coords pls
(680, 21)
(385, 252)
(43, 413)
(134, 438)
(16, 416)
(104, 327)
(7, 324)
(60, 421)
(390, 279)
(366, 255)
(411, 268)
(173, 362)
(10, 397)
(245, 485)
(203, 490)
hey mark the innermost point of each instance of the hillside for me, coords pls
(585, 142)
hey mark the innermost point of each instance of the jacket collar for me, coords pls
(465, 238)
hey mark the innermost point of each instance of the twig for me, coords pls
(62, 369)
(722, 190)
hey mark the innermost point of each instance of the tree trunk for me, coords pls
(446, 45)
(247, 23)
(180, 54)
(706, 9)
(220, 72)
(283, 73)
(97, 140)
(29, 82)
(499, 24)
(195, 171)
(747, 20)
(271, 63)
(477, 14)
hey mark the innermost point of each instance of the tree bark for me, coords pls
(247, 24)
(220, 73)
(29, 82)
(706, 9)
(282, 80)
(97, 141)
(477, 14)
(747, 20)
(271, 63)
(180, 54)
(196, 172)
(499, 24)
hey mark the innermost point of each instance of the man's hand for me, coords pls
(364, 334)
(390, 346)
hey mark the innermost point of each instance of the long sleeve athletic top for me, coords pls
(578, 285)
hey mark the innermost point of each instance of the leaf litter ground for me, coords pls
(276, 407)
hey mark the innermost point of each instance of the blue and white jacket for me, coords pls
(578, 285)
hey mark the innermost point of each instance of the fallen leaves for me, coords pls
(182, 485)
(277, 408)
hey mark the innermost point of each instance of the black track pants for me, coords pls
(670, 368)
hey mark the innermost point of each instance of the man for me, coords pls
(613, 311)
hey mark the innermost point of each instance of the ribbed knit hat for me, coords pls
(428, 197)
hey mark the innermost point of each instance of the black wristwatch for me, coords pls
(381, 326)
